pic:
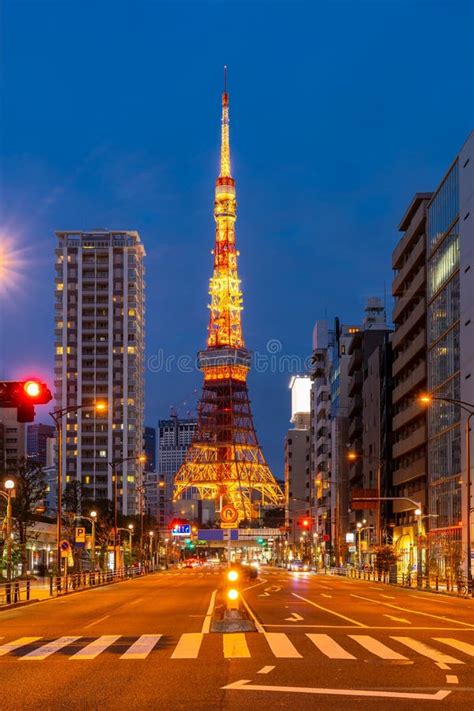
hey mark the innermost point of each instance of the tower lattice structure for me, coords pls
(225, 461)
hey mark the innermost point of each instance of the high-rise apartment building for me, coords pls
(297, 462)
(100, 335)
(450, 336)
(409, 374)
(37, 442)
(149, 444)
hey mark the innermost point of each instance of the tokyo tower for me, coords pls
(225, 461)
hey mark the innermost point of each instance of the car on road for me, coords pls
(297, 566)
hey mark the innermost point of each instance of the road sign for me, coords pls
(183, 529)
(65, 549)
(229, 514)
(80, 534)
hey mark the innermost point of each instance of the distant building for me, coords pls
(12, 440)
(174, 437)
(297, 467)
(37, 442)
(100, 340)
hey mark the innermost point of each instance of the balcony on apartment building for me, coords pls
(403, 418)
(355, 384)
(416, 346)
(355, 427)
(414, 261)
(355, 405)
(415, 316)
(412, 471)
(417, 287)
(411, 224)
(406, 445)
(416, 378)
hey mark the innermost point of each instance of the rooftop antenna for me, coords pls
(225, 78)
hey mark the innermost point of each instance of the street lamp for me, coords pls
(360, 528)
(93, 515)
(9, 485)
(130, 529)
(113, 465)
(427, 399)
(57, 417)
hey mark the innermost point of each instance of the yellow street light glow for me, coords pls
(9, 484)
(100, 406)
(130, 525)
(425, 399)
(142, 458)
(417, 512)
(352, 456)
(232, 594)
(232, 575)
(93, 514)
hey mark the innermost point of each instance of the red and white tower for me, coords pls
(225, 461)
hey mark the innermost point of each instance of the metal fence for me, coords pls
(18, 591)
(457, 586)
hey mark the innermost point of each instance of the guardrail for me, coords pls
(431, 583)
(18, 591)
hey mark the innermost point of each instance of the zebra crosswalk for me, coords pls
(279, 645)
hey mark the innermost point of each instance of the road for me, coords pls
(323, 642)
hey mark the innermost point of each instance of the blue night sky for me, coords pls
(340, 111)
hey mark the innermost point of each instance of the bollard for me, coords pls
(17, 592)
(8, 593)
(51, 586)
(28, 586)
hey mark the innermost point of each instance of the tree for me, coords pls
(104, 524)
(72, 502)
(30, 490)
(385, 557)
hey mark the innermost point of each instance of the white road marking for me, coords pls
(264, 594)
(442, 665)
(398, 619)
(376, 647)
(252, 615)
(92, 650)
(47, 649)
(329, 647)
(265, 670)
(188, 646)
(389, 597)
(457, 644)
(235, 646)
(96, 622)
(206, 625)
(294, 617)
(413, 612)
(245, 685)
(348, 619)
(135, 602)
(281, 645)
(427, 651)
(452, 679)
(16, 644)
(325, 595)
(142, 647)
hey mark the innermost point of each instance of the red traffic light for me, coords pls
(305, 522)
(24, 394)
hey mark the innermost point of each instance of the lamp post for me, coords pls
(427, 399)
(150, 547)
(113, 465)
(10, 493)
(130, 539)
(57, 417)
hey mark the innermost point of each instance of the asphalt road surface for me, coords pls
(323, 642)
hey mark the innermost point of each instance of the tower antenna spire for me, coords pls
(225, 78)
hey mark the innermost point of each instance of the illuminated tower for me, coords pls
(225, 461)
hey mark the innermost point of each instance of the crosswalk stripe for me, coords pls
(47, 649)
(376, 647)
(235, 645)
(188, 646)
(457, 644)
(142, 647)
(329, 647)
(427, 651)
(92, 650)
(16, 644)
(281, 645)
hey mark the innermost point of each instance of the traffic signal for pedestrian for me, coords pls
(24, 395)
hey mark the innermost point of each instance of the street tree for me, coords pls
(30, 491)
